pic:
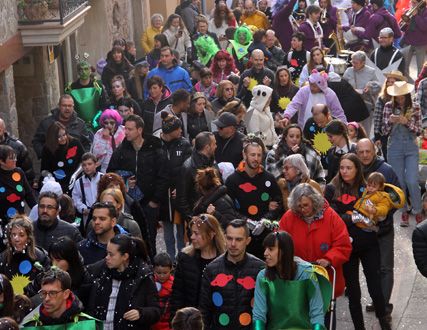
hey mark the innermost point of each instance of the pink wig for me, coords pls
(110, 114)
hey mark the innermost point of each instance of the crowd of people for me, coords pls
(270, 168)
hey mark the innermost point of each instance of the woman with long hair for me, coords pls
(117, 65)
(402, 123)
(214, 199)
(200, 116)
(284, 90)
(383, 98)
(65, 255)
(108, 137)
(153, 57)
(292, 142)
(221, 20)
(222, 66)
(124, 294)
(207, 242)
(342, 193)
(286, 276)
(119, 91)
(61, 154)
(18, 261)
(177, 35)
(316, 61)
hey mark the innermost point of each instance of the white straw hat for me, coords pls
(400, 88)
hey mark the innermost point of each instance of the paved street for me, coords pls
(409, 294)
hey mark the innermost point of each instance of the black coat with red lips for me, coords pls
(235, 284)
(63, 162)
(344, 206)
(14, 191)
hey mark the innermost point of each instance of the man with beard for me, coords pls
(48, 227)
(66, 115)
(104, 228)
(366, 152)
(254, 191)
(237, 293)
(256, 75)
(60, 306)
(203, 156)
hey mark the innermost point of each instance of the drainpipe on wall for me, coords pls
(68, 59)
(203, 3)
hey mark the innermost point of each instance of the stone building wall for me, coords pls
(8, 28)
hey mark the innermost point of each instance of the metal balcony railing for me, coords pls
(48, 11)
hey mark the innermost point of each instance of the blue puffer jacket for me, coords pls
(174, 78)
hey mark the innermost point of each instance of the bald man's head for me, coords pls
(366, 152)
(258, 59)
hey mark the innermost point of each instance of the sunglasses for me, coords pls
(201, 219)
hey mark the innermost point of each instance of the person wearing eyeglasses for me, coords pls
(61, 155)
(124, 295)
(14, 187)
(48, 227)
(66, 115)
(225, 93)
(108, 137)
(60, 306)
(21, 255)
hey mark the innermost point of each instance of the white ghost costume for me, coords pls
(258, 118)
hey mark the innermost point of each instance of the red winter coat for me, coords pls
(165, 291)
(326, 238)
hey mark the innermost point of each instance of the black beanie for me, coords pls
(170, 123)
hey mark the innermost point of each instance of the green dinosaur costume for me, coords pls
(86, 100)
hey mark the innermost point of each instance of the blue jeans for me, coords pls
(402, 155)
(170, 240)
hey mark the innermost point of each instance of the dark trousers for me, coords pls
(152, 220)
(370, 258)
